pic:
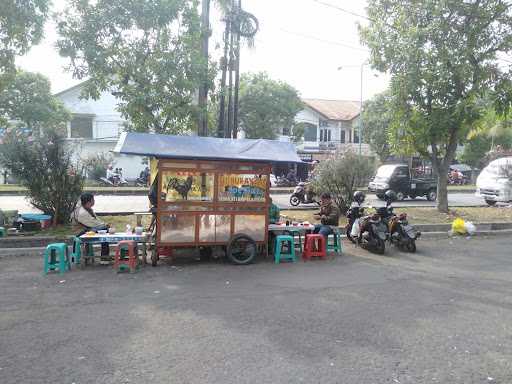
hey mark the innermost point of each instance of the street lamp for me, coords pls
(360, 128)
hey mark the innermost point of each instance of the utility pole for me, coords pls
(221, 128)
(203, 88)
(360, 134)
(237, 77)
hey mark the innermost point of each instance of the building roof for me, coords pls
(206, 148)
(345, 110)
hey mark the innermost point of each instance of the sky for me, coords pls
(301, 42)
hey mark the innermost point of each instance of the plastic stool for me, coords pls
(56, 256)
(295, 232)
(314, 246)
(76, 251)
(278, 254)
(336, 245)
(126, 256)
(3, 232)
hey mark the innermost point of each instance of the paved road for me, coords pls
(442, 315)
(455, 200)
(116, 203)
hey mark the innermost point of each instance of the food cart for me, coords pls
(211, 191)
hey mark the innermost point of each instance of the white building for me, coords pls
(95, 127)
(329, 125)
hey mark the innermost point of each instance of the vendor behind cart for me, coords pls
(85, 220)
(328, 216)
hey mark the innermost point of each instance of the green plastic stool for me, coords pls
(56, 256)
(278, 254)
(3, 232)
(76, 251)
(296, 232)
(336, 245)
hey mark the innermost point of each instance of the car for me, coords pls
(494, 183)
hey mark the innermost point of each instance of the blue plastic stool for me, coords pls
(56, 256)
(336, 245)
(3, 232)
(278, 254)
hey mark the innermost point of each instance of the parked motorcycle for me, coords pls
(373, 233)
(284, 182)
(400, 233)
(354, 214)
(116, 180)
(302, 196)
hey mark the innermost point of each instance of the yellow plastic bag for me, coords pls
(459, 226)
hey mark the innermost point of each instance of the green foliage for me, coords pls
(96, 166)
(442, 57)
(28, 100)
(298, 132)
(146, 52)
(266, 105)
(42, 165)
(21, 26)
(377, 117)
(341, 175)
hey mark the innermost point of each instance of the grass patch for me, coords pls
(427, 215)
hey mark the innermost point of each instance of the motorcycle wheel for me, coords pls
(411, 246)
(380, 247)
(294, 201)
(491, 203)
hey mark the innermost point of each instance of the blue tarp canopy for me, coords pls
(206, 148)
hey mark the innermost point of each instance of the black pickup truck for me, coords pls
(398, 178)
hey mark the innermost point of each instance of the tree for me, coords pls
(42, 164)
(266, 106)
(28, 101)
(147, 53)
(21, 26)
(341, 175)
(377, 116)
(442, 57)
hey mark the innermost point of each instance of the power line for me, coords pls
(323, 40)
(342, 9)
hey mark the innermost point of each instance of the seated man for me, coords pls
(274, 213)
(328, 216)
(84, 220)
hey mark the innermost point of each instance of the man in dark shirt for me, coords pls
(328, 216)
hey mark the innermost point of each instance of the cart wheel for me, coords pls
(241, 249)
(205, 253)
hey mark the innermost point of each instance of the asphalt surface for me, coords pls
(443, 315)
(116, 203)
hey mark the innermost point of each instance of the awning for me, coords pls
(206, 148)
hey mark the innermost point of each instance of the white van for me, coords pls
(494, 184)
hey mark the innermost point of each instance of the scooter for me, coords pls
(116, 181)
(355, 212)
(373, 234)
(301, 196)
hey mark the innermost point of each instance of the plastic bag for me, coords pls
(354, 232)
(459, 226)
(470, 227)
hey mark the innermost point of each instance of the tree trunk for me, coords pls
(442, 190)
(202, 128)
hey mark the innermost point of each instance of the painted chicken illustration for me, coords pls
(182, 187)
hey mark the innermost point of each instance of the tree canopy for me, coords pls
(377, 117)
(21, 26)
(266, 106)
(146, 52)
(442, 57)
(28, 101)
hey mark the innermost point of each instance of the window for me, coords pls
(356, 137)
(187, 186)
(342, 136)
(323, 123)
(310, 132)
(242, 187)
(286, 131)
(325, 135)
(81, 127)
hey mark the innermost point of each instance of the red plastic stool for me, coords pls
(314, 246)
(121, 263)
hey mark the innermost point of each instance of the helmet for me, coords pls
(390, 195)
(359, 197)
(301, 184)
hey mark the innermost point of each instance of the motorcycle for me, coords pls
(355, 213)
(116, 180)
(400, 233)
(284, 182)
(373, 233)
(301, 196)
